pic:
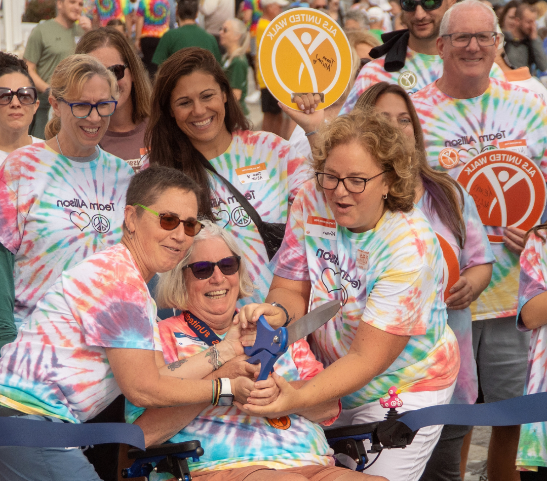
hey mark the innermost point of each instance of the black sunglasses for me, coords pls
(25, 95)
(118, 70)
(204, 269)
(410, 5)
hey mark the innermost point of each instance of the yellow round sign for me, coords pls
(305, 51)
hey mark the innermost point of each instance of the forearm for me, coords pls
(320, 412)
(292, 295)
(479, 278)
(534, 312)
(237, 93)
(138, 27)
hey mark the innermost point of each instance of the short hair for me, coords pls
(115, 22)
(187, 9)
(522, 7)
(141, 91)
(68, 80)
(384, 142)
(172, 292)
(445, 23)
(359, 16)
(9, 63)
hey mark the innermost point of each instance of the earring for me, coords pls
(131, 235)
(384, 196)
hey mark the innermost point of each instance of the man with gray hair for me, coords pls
(355, 19)
(492, 137)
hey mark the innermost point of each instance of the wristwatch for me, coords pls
(226, 397)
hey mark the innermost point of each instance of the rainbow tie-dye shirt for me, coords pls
(57, 366)
(108, 10)
(503, 115)
(230, 438)
(419, 70)
(476, 251)
(532, 450)
(269, 173)
(156, 15)
(389, 277)
(55, 212)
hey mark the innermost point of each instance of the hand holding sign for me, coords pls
(308, 118)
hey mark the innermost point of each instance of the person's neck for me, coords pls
(219, 323)
(463, 88)
(11, 140)
(65, 22)
(230, 49)
(215, 147)
(122, 120)
(132, 247)
(61, 142)
(427, 46)
(265, 16)
(187, 21)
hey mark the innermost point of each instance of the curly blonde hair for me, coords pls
(384, 142)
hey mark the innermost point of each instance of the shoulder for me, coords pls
(424, 94)
(28, 156)
(111, 161)
(173, 324)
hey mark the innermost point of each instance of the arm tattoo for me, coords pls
(176, 364)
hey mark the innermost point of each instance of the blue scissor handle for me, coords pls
(265, 349)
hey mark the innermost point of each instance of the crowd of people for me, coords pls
(136, 255)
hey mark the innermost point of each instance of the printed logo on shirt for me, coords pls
(100, 223)
(252, 173)
(321, 227)
(449, 158)
(407, 80)
(282, 423)
(362, 259)
(80, 219)
(451, 266)
(240, 217)
(508, 189)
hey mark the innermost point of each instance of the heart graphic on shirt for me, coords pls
(328, 278)
(80, 219)
(222, 216)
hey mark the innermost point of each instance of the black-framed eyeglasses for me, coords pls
(427, 5)
(25, 95)
(205, 269)
(118, 70)
(82, 110)
(463, 39)
(354, 185)
(172, 221)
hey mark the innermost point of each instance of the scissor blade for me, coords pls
(312, 321)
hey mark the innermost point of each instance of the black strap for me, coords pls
(202, 330)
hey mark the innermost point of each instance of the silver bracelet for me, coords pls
(216, 362)
(307, 134)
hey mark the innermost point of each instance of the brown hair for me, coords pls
(9, 63)
(383, 141)
(535, 230)
(167, 144)
(508, 6)
(141, 89)
(68, 81)
(444, 192)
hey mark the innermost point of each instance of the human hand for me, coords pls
(513, 239)
(250, 313)
(231, 347)
(461, 294)
(308, 117)
(238, 367)
(263, 392)
(85, 23)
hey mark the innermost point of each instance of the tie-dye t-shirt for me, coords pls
(419, 70)
(532, 450)
(156, 15)
(476, 252)
(505, 116)
(230, 438)
(389, 277)
(54, 212)
(108, 10)
(57, 366)
(269, 173)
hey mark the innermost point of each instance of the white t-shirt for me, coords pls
(4, 154)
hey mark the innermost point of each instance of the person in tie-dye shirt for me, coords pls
(106, 10)
(531, 315)
(465, 115)
(152, 22)
(208, 130)
(361, 241)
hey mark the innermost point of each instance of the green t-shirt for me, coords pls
(8, 331)
(48, 44)
(236, 71)
(183, 37)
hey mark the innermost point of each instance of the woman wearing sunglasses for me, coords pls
(94, 333)
(204, 341)
(125, 135)
(354, 235)
(62, 200)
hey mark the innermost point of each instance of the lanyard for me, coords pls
(201, 329)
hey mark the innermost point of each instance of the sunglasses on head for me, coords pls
(172, 221)
(205, 269)
(410, 5)
(118, 70)
(25, 95)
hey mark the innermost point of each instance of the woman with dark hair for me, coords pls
(197, 126)
(125, 135)
(467, 258)
(507, 17)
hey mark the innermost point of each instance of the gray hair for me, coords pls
(464, 5)
(359, 16)
(244, 38)
(171, 290)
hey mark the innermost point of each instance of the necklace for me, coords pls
(59, 145)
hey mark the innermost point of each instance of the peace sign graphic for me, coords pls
(100, 223)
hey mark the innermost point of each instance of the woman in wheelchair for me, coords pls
(205, 286)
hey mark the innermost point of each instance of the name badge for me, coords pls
(518, 146)
(362, 259)
(252, 173)
(321, 227)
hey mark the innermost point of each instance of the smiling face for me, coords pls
(358, 212)
(213, 299)
(198, 106)
(425, 24)
(510, 20)
(15, 117)
(70, 10)
(109, 56)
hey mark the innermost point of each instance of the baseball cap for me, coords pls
(375, 14)
(282, 3)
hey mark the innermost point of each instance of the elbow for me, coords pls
(142, 399)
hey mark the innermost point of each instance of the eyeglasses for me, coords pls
(118, 70)
(172, 221)
(427, 5)
(354, 185)
(25, 95)
(82, 110)
(484, 39)
(205, 269)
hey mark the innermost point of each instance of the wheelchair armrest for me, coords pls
(392, 433)
(164, 449)
(350, 430)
